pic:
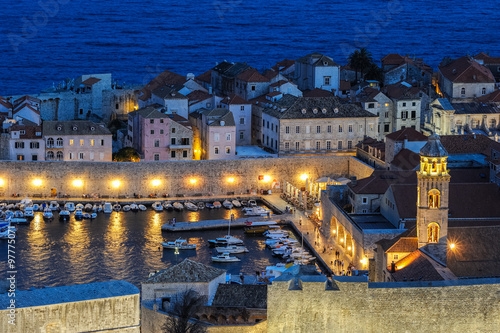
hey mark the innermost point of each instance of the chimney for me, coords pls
(393, 267)
(190, 76)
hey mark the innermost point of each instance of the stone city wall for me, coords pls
(450, 306)
(176, 177)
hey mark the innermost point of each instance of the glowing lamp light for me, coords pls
(452, 246)
(364, 261)
(2, 182)
(304, 176)
(349, 248)
(267, 178)
(230, 180)
(341, 240)
(192, 181)
(77, 183)
(156, 182)
(116, 183)
(37, 182)
(334, 231)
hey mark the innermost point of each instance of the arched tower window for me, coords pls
(50, 155)
(50, 142)
(59, 155)
(434, 198)
(433, 233)
(59, 142)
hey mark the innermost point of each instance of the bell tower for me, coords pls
(432, 199)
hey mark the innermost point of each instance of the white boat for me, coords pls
(27, 202)
(54, 205)
(3, 206)
(157, 206)
(231, 249)
(217, 204)
(9, 214)
(201, 205)
(64, 214)
(88, 207)
(117, 207)
(236, 203)
(134, 207)
(29, 212)
(256, 211)
(80, 206)
(191, 206)
(142, 207)
(93, 215)
(78, 213)
(99, 208)
(36, 207)
(86, 215)
(47, 213)
(10, 206)
(252, 203)
(108, 209)
(278, 232)
(225, 257)
(226, 240)
(273, 272)
(180, 244)
(18, 213)
(209, 205)
(126, 208)
(168, 206)
(178, 206)
(227, 204)
(69, 206)
(95, 208)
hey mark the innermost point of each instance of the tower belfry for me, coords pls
(432, 199)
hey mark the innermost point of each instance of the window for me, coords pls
(157, 143)
(272, 142)
(185, 141)
(404, 115)
(287, 129)
(184, 153)
(116, 107)
(34, 157)
(364, 211)
(318, 145)
(50, 155)
(413, 103)
(216, 150)
(267, 124)
(395, 256)
(308, 129)
(34, 145)
(173, 141)
(462, 91)
(130, 127)
(483, 91)
(216, 137)
(360, 127)
(371, 105)
(242, 135)
(91, 156)
(82, 142)
(156, 157)
(263, 123)
(328, 145)
(329, 128)
(242, 121)
(152, 131)
(172, 153)
(102, 142)
(404, 103)
(349, 129)
(272, 127)
(370, 127)
(364, 200)
(297, 129)
(349, 144)
(161, 121)
(340, 129)
(19, 145)
(173, 129)
(151, 121)
(242, 108)
(228, 150)
(20, 157)
(287, 145)
(413, 115)
(297, 145)
(22, 132)
(161, 131)
(386, 104)
(434, 198)
(81, 110)
(70, 156)
(228, 136)
(318, 129)
(386, 127)
(92, 142)
(71, 142)
(339, 145)
(433, 233)
(253, 88)
(81, 156)
(59, 142)
(326, 80)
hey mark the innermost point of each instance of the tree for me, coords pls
(127, 154)
(360, 60)
(374, 73)
(188, 304)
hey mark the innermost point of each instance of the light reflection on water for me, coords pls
(120, 245)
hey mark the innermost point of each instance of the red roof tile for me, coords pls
(283, 65)
(491, 97)
(165, 78)
(205, 77)
(235, 100)
(317, 92)
(469, 144)
(278, 83)
(406, 160)
(91, 81)
(197, 96)
(380, 180)
(465, 70)
(274, 93)
(487, 59)
(408, 133)
(252, 75)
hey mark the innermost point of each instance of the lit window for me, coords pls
(434, 199)
(92, 142)
(340, 129)
(433, 233)
(350, 128)
(216, 150)
(228, 150)
(81, 142)
(71, 142)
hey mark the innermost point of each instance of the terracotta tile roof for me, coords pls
(367, 95)
(344, 85)
(406, 160)
(5, 103)
(165, 78)
(491, 97)
(487, 59)
(402, 90)
(469, 144)
(19, 107)
(416, 267)
(283, 65)
(395, 60)
(26, 98)
(388, 243)
(252, 75)
(278, 83)
(186, 271)
(73, 127)
(274, 93)
(404, 245)
(476, 108)
(205, 77)
(408, 133)
(317, 59)
(270, 74)
(197, 96)
(216, 116)
(168, 92)
(148, 112)
(180, 120)
(91, 81)
(29, 130)
(234, 99)
(253, 296)
(380, 180)
(317, 92)
(465, 70)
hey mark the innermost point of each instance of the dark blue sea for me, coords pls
(47, 41)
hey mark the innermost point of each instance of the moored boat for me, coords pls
(252, 203)
(64, 214)
(236, 203)
(180, 244)
(47, 213)
(134, 207)
(157, 206)
(227, 204)
(226, 240)
(201, 205)
(88, 207)
(117, 207)
(231, 249)
(256, 211)
(209, 205)
(86, 215)
(54, 205)
(217, 204)
(142, 207)
(93, 215)
(78, 213)
(29, 212)
(168, 206)
(191, 206)
(69, 206)
(178, 206)
(126, 208)
(79, 206)
(225, 257)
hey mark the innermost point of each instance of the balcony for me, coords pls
(179, 146)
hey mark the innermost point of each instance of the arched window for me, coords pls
(59, 142)
(433, 233)
(50, 142)
(483, 91)
(463, 91)
(434, 198)
(50, 155)
(59, 155)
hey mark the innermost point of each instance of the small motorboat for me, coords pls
(201, 205)
(10, 206)
(232, 249)
(225, 257)
(78, 213)
(236, 203)
(93, 215)
(86, 216)
(244, 203)
(252, 203)
(88, 207)
(209, 205)
(3, 206)
(64, 214)
(227, 204)
(134, 207)
(168, 206)
(95, 208)
(69, 206)
(256, 211)
(180, 244)
(225, 241)
(36, 207)
(126, 208)
(142, 207)
(157, 206)
(178, 206)
(54, 205)
(29, 212)
(217, 204)
(47, 213)
(191, 206)
(117, 207)
(79, 206)
(18, 213)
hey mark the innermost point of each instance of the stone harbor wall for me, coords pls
(447, 306)
(174, 178)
